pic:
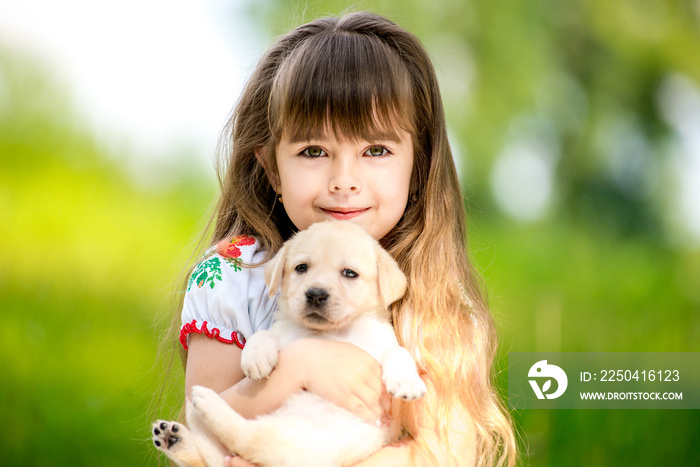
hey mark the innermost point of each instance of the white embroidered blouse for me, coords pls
(225, 300)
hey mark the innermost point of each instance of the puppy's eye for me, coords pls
(349, 273)
(301, 268)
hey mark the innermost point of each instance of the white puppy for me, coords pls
(337, 283)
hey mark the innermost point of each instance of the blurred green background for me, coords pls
(576, 125)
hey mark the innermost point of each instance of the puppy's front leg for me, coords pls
(400, 375)
(260, 354)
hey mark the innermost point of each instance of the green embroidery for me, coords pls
(235, 263)
(206, 272)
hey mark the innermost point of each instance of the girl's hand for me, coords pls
(341, 373)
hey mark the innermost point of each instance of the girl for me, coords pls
(343, 119)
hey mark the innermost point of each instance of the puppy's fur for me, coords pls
(336, 283)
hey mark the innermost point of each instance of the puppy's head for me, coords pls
(331, 273)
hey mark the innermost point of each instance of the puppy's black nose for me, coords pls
(316, 297)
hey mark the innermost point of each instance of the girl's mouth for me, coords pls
(343, 214)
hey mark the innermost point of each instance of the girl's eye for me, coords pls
(313, 151)
(376, 151)
(301, 268)
(349, 273)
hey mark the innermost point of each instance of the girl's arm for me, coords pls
(336, 371)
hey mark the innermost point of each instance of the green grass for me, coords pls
(77, 376)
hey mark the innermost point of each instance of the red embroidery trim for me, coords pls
(214, 333)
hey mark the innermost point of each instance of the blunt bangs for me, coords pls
(350, 84)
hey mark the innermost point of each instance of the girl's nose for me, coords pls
(345, 177)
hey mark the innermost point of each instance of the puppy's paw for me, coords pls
(206, 400)
(207, 412)
(169, 437)
(177, 442)
(210, 407)
(407, 387)
(259, 356)
(400, 376)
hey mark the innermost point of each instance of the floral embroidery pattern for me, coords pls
(230, 251)
(206, 272)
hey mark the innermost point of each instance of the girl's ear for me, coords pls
(269, 172)
(392, 281)
(275, 269)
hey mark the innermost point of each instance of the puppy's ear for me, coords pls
(274, 270)
(392, 281)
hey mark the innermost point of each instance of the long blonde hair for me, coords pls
(359, 75)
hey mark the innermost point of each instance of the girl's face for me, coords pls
(364, 182)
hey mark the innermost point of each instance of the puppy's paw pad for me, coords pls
(166, 435)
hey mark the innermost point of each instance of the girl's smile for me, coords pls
(344, 213)
(365, 182)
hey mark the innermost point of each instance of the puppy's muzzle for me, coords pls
(316, 297)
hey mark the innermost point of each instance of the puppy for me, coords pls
(336, 283)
